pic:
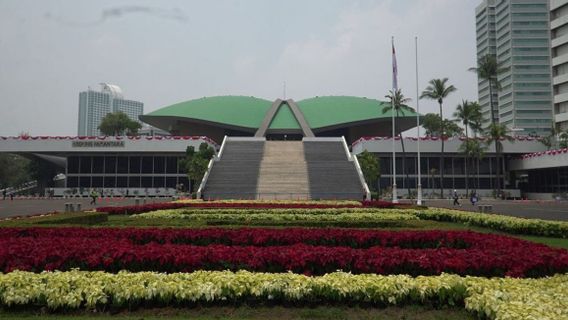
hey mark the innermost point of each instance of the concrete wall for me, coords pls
(384, 145)
(540, 162)
(67, 145)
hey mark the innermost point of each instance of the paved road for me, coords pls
(547, 210)
(21, 207)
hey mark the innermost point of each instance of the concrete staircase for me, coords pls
(331, 173)
(235, 175)
(283, 171)
(258, 169)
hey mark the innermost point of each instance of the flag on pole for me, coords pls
(394, 69)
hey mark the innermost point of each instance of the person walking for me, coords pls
(94, 196)
(456, 198)
(4, 193)
(473, 198)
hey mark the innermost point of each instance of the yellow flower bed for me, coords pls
(496, 298)
(498, 222)
(280, 215)
(307, 202)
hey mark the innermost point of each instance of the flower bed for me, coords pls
(499, 299)
(275, 251)
(242, 205)
(498, 222)
(263, 237)
(307, 202)
(251, 216)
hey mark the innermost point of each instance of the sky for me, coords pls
(164, 52)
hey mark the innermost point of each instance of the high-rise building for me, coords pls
(486, 45)
(559, 34)
(518, 31)
(95, 105)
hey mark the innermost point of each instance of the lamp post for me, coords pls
(419, 184)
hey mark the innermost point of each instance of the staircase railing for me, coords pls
(20, 188)
(355, 161)
(209, 167)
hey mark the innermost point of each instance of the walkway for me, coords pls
(547, 210)
(21, 207)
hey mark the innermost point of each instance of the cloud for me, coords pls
(174, 14)
(354, 57)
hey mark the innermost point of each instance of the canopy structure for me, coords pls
(330, 116)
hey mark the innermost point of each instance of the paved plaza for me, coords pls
(21, 207)
(547, 210)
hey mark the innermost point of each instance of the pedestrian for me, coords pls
(473, 198)
(94, 196)
(456, 198)
(4, 194)
(11, 196)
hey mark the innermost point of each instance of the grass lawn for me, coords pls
(245, 312)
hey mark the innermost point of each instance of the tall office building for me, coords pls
(486, 45)
(95, 105)
(518, 32)
(559, 34)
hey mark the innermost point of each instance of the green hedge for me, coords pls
(536, 227)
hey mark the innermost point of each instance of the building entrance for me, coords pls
(284, 137)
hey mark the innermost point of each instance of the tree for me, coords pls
(431, 124)
(13, 170)
(469, 114)
(196, 162)
(118, 124)
(488, 69)
(495, 134)
(552, 139)
(563, 139)
(371, 168)
(472, 149)
(398, 101)
(438, 90)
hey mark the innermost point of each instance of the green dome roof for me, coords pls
(249, 112)
(237, 111)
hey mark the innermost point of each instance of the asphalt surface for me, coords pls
(548, 210)
(533, 209)
(26, 207)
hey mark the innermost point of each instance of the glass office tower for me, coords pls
(520, 33)
(95, 105)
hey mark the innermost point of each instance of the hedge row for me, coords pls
(498, 298)
(509, 224)
(331, 216)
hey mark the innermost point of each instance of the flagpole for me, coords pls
(419, 185)
(394, 85)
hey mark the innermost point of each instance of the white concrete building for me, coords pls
(95, 105)
(520, 33)
(559, 34)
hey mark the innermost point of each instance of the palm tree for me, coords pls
(563, 136)
(496, 133)
(398, 101)
(472, 149)
(468, 113)
(438, 90)
(477, 127)
(488, 69)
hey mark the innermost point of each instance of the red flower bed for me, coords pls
(217, 205)
(268, 250)
(353, 238)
